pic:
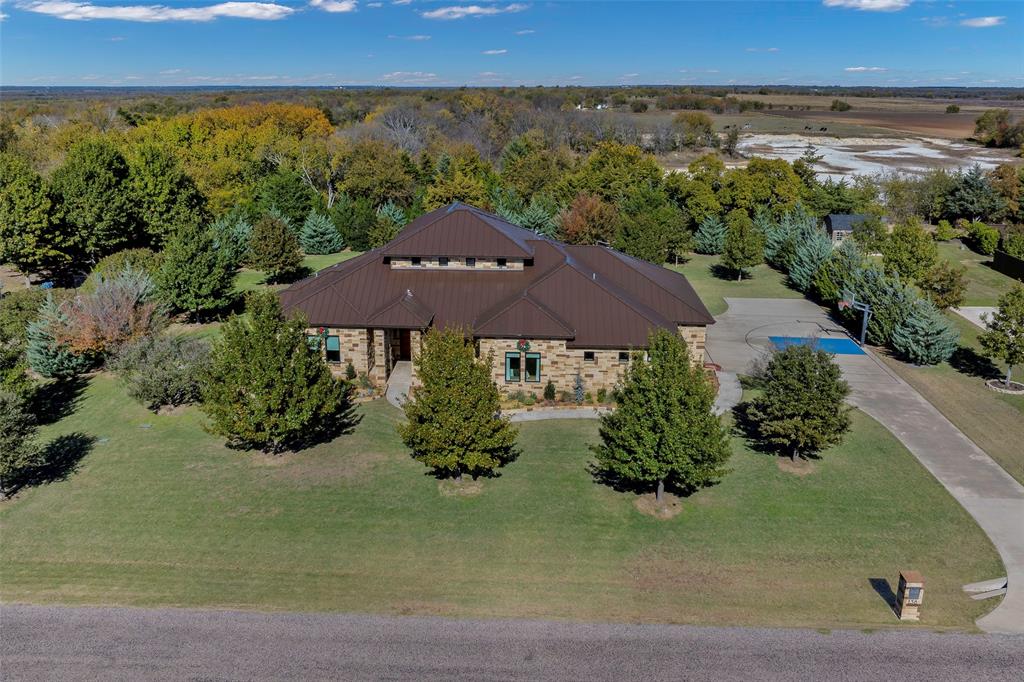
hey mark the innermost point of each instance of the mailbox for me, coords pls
(909, 595)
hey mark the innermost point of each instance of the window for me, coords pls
(333, 346)
(502, 262)
(623, 356)
(533, 367)
(588, 356)
(471, 262)
(442, 262)
(415, 261)
(513, 367)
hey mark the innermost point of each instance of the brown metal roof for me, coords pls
(592, 296)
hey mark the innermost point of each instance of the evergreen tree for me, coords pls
(664, 431)
(744, 245)
(710, 237)
(319, 236)
(45, 355)
(233, 233)
(18, 449)
(286, 193)
(890, 300)
(195, 276)
(972, 196)
(809, 256)
(650, 225)
(452, 423)
(355, 220)
(1004, 337)
(838, 272)
(537, 217)
(909, 251)
(924, 335)
(274, 249)
(390, 220)
(801, 410)
(265, 387)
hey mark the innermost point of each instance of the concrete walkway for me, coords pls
(972, 313)
(399, 383)
(985, 490)
(542, 414)
(60, 643)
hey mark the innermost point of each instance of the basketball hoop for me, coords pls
(849, 302)
(843, 305)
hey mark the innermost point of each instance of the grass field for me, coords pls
(160, 513)
(984, 284)
(994, 421)
(248, 280)
(713, 290)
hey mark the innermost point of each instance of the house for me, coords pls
(840, 225)
(541, 310)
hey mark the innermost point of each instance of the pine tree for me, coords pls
(265, 387)
(319, 236)
(390, 219)
(18, 449)
(664, 431)
(924, 335)
(801, 410)
(195, 276)
(536, 217)
(232, 234)
(744, 245)
(274, 249)
(1004, 338)
(45, 355)
(810, 255)
(836, 275)
(710, 237)
(452, 423)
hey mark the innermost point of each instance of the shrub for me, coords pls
(983, 238)
(564, 397)
(588, 397)
(924, 335)
(319, 235)
(952, 109)
(350, 372)
(801, 410)
(274, 249)
(18, 450)
(578, 389)
(1013, 242)
(840, 105)
(549, 391)
(162, 370)
(638, 106)
(602, 394)
(944, 231)
(46, 354)
(141, 260)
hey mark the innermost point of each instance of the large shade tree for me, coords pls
(1004, 338)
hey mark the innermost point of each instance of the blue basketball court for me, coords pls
(834, 346)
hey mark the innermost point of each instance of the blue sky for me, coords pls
(330, 42)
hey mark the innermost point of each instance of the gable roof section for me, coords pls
(404, 312)
(459, 230)
(844, 221)
(524, 317)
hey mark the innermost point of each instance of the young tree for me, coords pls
(162, 370)
(274, 249)
(1004, 338)
(664, 431)
(18, 449)
(801, 411)
(810, 256)
(710, 237)
(744, 245)
(319, 236)
(945, 285)
(588, 220)
(45, 353)
(909, 251)
(452, 423)
(17, 310)
(94, 200)
(924, 335)
(266, 387)
(195, 275)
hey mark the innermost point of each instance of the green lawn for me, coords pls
(248, 280)
(164, 515)
(994, 421)
(984, 285)
(765, 283)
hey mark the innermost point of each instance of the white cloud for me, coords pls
(525, 32)
(86, 11)
(409, 77)
(463, 11)
(762, 49)
(865, 69)
(494, 52)
(334, 5)
(414, 37)
(401, 2)
(870, 5)
(375, 5)
(982, 22)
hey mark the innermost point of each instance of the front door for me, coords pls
(404, 344)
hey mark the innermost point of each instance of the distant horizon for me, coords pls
(506, 43)
(379, 86)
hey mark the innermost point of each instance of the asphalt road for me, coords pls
(59, 643)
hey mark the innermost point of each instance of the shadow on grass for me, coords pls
(884, 590)
(719, 271)
(972, 363)
(58, 460)
(745, 427)
(57, 399)
(621, 485)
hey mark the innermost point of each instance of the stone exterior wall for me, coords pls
(354, 348)
(696, 338)
(456, 264)
(379, 371)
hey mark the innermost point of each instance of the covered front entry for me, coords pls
(404, 345)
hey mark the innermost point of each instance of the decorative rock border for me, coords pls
(999, 386)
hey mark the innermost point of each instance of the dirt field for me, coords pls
(936, 124)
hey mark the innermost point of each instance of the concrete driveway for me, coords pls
(60, 643)
(985, 490)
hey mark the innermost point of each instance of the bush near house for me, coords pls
(162, 371)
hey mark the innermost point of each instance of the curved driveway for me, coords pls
(985, 490)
